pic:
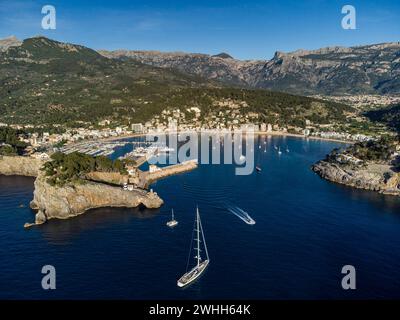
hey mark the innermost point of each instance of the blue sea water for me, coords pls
(306, 230)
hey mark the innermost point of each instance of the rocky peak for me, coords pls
(8, 42)
(223, 55)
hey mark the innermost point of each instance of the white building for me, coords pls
(153, 168)
(137, 127)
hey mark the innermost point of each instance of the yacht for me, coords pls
(172, 223)
(201, 264)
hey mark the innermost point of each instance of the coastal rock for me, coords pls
(20, 166)
(375, 177)
(72, 200)
(40, 218)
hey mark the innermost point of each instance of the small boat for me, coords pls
(242, 158)
(172, 223)
(258, 169)
(279, 150)
(201, 265)
(241, 214)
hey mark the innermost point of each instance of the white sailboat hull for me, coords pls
(172, 223)
(193, 274)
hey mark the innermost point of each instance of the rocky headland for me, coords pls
(70, 200)
(373, 176)
(74, 199)
(372, 166)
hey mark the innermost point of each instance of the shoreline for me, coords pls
(258, 133)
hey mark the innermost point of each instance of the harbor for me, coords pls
(290, 204)
(93, 148)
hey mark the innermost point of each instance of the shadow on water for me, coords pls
(16, 183)
(386, 204)
(61, 231)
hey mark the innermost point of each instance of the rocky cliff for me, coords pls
(72, 200)
(20, 166)
(373, 176)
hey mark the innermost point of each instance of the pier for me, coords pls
(141, 160)
(141, 179)
(148, 177)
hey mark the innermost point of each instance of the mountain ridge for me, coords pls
(363, 69)
(44, 81)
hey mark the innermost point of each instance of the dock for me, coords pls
(146, 177)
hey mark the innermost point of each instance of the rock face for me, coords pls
(332, 70)
(20, 166)
(69, 201)
(9, 42)
(107, 177)
(375, 177)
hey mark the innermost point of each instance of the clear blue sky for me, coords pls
(252, 29)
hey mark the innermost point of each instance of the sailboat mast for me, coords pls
(204, 239)
(172, 214)
(198, 237)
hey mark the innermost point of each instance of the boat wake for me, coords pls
(241, 214)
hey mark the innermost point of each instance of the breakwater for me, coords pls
(148, 177)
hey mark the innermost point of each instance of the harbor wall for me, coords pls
(147, 177)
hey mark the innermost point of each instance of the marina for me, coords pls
(93, 148)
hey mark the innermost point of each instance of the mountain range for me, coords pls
(369, 69)
(46, 81)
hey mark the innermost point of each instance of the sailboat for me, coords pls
(287, 149)
(201, 265)
(279, 150)
(172, 223)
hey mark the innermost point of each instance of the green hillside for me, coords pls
(389, 116)
(49, 82)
